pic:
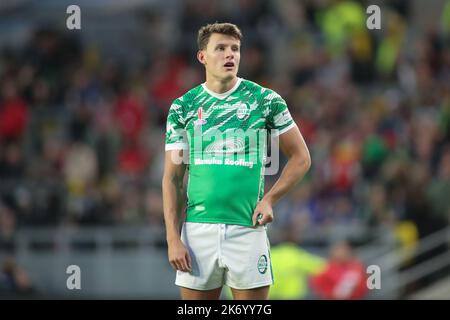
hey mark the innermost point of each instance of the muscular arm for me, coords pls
(294, 147)
(173, 198)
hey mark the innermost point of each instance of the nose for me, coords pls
(229, 53)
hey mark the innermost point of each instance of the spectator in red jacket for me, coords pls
(13, 112)
(344, 277)
(131, 114)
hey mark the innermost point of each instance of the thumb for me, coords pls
(257, 216)
(254, 217)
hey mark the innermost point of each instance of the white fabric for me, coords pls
(225, 94)
(233, 255)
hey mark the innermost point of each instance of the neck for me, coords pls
(220, 85)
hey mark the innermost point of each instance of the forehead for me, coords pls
(218, 38)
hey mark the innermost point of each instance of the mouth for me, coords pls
(229, 65)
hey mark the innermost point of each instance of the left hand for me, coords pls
(265, 209)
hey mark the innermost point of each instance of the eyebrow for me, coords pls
(225, 44)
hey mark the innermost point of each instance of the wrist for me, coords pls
(172, 237)
(173, 242)
(268, 199)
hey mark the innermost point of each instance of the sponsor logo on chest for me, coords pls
(200, 117)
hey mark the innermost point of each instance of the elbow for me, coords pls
(303, 163)
(165, 179)
(307, 162)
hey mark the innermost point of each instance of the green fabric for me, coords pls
(226, 138)
(374, 150)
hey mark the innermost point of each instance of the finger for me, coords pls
(189, 261)
(186, 264)
(255, 217)
(266, 219)
(183, 263)
(175, 265)
(180, 265)
(262, 220)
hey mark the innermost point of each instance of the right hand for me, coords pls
(179, 257)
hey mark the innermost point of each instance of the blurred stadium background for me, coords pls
(82, 121)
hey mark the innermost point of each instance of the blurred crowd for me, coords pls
(14, 280)
(82, 130)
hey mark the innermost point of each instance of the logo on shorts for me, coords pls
(262, 264)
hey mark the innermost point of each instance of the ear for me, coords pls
(201, 56)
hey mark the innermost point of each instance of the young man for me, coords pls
(220, 126)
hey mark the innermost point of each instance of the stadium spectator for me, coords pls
(14, 279)
(292, 267)
(344, 276)
(13, 112)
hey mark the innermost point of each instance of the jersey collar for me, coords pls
(225, 94)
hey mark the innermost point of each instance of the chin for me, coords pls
(229, 76)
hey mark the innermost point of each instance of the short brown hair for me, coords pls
(223, 28)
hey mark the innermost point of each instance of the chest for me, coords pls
(224, 116)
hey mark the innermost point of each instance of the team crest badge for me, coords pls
(243, 112)
(200, 117)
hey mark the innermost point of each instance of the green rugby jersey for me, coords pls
(226, 138)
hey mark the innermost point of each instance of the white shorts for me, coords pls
(221, 254)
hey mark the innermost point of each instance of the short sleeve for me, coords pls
(279, 119)
(176, 138)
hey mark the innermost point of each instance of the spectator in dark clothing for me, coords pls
(13, 279)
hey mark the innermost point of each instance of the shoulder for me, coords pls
(263, 92)
(254, 87)
(187, 99)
